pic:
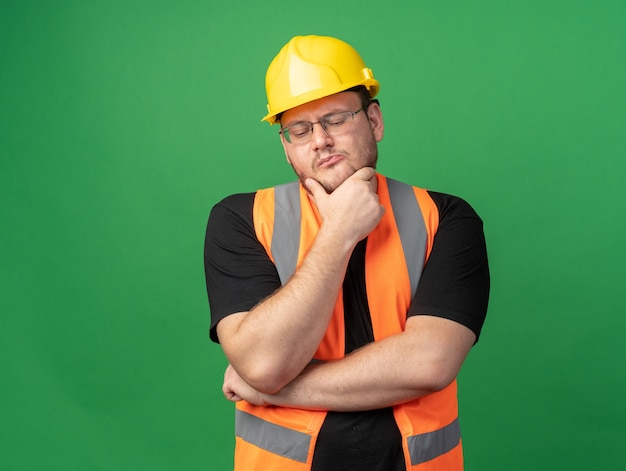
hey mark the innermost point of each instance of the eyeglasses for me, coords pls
(333, 124)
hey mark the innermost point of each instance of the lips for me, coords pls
(329, 161)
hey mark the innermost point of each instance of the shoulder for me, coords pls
(452, 207)
(240, 203)
(231, 217)
(460, 226)
(448, 206)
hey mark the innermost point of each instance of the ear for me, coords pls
(375, 116)
(284, 143)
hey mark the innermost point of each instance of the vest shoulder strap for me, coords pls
(286, 233)
(411, 227)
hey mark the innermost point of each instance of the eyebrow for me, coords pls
(303, 121)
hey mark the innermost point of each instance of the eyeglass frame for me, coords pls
(322, 122)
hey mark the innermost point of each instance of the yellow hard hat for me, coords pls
(311, 67)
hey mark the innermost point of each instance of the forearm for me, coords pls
(400, 368)
(272, 343)
(367, 379)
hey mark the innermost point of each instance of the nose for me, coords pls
(320, 137)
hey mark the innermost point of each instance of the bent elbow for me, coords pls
(439, 383)
(436, 379)
(267, 380)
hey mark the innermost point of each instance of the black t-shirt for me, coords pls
(454, 285)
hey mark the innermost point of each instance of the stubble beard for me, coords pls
(371, 161)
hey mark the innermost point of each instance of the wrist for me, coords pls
(333, 240)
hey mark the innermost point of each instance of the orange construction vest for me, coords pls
(286, 223)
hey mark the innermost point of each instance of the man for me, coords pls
(346, 302)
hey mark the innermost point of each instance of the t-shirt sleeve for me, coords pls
(238, 271)
(455, 282)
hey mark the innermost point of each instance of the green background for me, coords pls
(123, 122)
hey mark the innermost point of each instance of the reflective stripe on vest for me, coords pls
(412, 229)
(271, 437)
(294, 445)
(427, 446)
(286, 239)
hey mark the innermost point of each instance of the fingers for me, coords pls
(236, 389)
(227, 389)
(315, 188)
(231, 396)
(365, 173)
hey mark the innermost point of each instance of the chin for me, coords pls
(337, 178)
